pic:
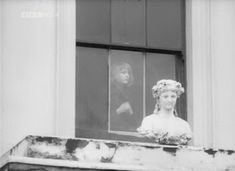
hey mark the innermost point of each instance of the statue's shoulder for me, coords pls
(151, 118)
(182, 121)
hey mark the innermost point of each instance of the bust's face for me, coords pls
(167, 100)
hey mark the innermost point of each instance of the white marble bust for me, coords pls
(164, 125)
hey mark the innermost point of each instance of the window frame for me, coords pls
(180, 76)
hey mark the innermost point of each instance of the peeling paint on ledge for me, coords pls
(146, 156)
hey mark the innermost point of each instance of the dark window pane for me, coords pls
(93, 20)
(158, 66)
(128, 22)
(92, 89)
(126, 90)
(164, 23)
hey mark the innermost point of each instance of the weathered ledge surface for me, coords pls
(54, 153)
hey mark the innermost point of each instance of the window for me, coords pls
(123, 48)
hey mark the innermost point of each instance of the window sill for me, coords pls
(45, 152)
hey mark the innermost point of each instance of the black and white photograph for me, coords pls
(139, 85)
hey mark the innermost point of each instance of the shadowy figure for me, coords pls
(121, 110)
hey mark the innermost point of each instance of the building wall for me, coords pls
(223, 61)
(35, 69)
(28, 69)
(210, 59)
(38, 70)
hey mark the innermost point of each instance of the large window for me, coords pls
(123, 48)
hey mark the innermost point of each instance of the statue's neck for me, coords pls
(166, 113)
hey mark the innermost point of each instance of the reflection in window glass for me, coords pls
(114, 87)
(93, 20)
(164, 23)
(92, 89)
(158, 66)
(128, 22)
(126, 90)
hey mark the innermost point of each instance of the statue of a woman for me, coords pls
(164, 125)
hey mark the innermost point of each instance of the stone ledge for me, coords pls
(115, 155)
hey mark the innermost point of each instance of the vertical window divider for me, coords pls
(145, 55)
(109, 96)
(144, 86)
(109, 62)
(110, 19)
(145, 23)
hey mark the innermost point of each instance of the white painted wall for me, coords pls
(199, 72)
(28, 61)
(66, 57)
(210, 67)
(37, 76)
(223, 61)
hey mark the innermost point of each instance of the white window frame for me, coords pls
(66, 59)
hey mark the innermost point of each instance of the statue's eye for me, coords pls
(166, 96)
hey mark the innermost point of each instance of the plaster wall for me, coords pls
(210, 58)
(28, 63)
(223, 61)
